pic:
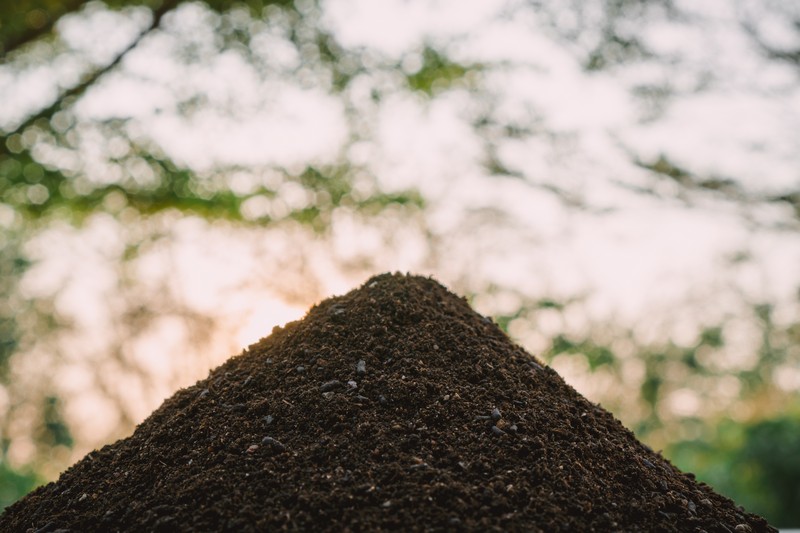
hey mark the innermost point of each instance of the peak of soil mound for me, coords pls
(395, 406)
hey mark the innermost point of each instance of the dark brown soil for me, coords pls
(395, 406)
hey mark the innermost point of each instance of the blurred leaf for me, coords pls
(561, 344)
(712, 337)
(15, 484)
(503, 321)
(437, 73)
(614, 49)
(54, 430)
(596, 355)
(755, 464)
(546, 303)
(665, 167)
(651, 387)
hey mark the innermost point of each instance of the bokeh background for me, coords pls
(615, 182)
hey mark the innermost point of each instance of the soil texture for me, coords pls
(394, 407)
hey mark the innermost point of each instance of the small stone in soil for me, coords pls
(44, 529)
(275, 444)
(252, 448)
(496, 415)
(268, 419)
(328, 395)
(352, 384)
(330, 385)
(497, 431)
(300, 369)
(361, 367)
(534, 365)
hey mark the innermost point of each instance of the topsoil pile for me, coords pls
(395, 406)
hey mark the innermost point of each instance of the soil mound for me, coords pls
(395, 406)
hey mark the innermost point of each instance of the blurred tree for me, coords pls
(734, 458)
(15, 483)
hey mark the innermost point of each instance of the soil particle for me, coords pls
(273, 444)
(402, 451)
(330, 385)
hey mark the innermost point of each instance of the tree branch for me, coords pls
(81, 88)
(31, 34)
(789, 56)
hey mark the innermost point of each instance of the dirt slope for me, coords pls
(395, 406)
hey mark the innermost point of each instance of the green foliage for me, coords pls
(522, 312)
(755, 464)
(438, 72)
(712, 337)
(615, 49)
(503, 321)
(596, 355)
(343, 69)
(664, 167)
(548, 303)
(37, 191)
(54, 430)
(13, 265)
(14, 484)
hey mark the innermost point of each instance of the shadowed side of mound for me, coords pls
(394, 406)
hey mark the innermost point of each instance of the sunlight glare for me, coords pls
(263, 315)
